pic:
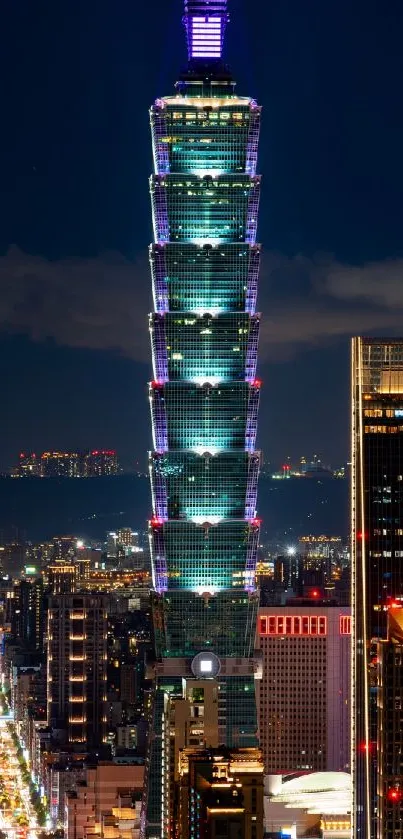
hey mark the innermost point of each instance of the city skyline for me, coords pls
(332, 185)
(284, 467)
(229, 664)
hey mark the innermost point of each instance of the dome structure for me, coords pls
(317, 793)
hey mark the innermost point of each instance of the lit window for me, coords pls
(345, 625)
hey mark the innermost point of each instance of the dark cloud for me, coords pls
(98, 303)
(102, 303)
(316, 324)
(328, 300)
(380, 283)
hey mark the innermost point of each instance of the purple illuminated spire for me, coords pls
(205, 22)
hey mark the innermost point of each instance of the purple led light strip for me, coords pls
(251, 558)
(205, 22)
(252, 281)
(251, 352)
(159, 490)
(160, 208)
(159, 419)
(159, 347)
(253, 209)
(253, 140)
(251, 419)
(158, 271)
(251, 487)
(159, 132)
(160, 563)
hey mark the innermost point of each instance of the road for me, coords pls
(17, 816)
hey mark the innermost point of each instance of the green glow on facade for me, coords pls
(204, 397)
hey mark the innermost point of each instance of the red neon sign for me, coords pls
(345, 624)
(294, 625)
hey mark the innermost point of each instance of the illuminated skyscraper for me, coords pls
(377, 575)
(77, 663)
(390, 728)
(205, 395)
(29, 613)
(304, 693)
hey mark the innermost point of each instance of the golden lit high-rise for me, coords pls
(77, 667)
(377, 582)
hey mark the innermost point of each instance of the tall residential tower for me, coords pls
(204, 397)
(77, 667)
(377, 586)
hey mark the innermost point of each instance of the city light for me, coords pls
(395, 795)
(212, 450)
(204, 671)
(206, 380)
(211, 173)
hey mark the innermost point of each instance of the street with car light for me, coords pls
(18, 817)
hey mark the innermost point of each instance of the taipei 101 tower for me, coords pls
(204, 403)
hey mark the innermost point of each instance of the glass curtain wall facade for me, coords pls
(377, 581)
(204, 396)
(390, 727)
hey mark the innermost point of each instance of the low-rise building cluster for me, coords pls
(76, 650)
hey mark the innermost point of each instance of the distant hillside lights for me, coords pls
(54, 464)
(308, 469)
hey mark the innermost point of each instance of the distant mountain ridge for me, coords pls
(37, 509)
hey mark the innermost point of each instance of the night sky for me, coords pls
(77, 79)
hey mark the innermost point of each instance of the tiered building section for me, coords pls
(205, 394)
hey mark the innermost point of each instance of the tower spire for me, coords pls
(205, 22)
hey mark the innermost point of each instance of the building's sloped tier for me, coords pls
(202, 135)
(193, 209)
(207, 557)
(204, 348)
(204, 278)
(186, 622)
(204, 487)
(205, 417)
